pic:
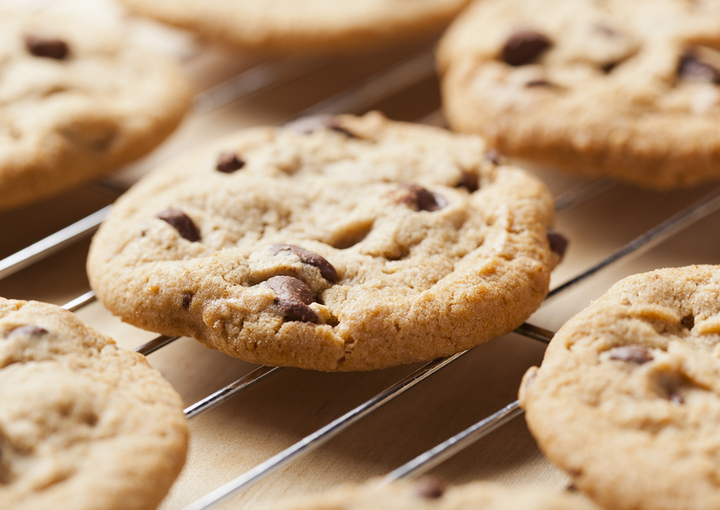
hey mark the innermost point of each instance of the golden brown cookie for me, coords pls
(627, 399)
(77, 101)
(625, 89)
(339, 243)
(83, 423)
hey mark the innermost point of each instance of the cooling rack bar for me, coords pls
(323, 435)
(691, 214)
(431, 458)
(535, 332)
(582, 193)
(377, 87)
(80, 301)
(230, 390)
(155, 344)
(52, 243)
(259, 77)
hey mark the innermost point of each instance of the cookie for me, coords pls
(333, 244)
(77, 101)
(287, 26)
(83, 424)
(431, 494)
(627, 399)
(624, 89)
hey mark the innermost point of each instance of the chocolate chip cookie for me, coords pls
(77, 101)
(337, 243)
(431, 494)
(288, 26)
(625, 89)
(84, 424)
(627, 399)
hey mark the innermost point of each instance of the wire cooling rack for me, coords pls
(322, 440)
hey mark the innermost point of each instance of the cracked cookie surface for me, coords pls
(84, 424)
(625, 89)
(77, 101)
(341, 243)
(627, 399)
(288, 26)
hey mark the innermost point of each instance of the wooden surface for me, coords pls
(262, 421)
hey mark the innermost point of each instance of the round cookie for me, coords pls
(289, 26)
(77, 101)
(83, 424)
(627, 399)
(333, 244)
(431, 494)
(625, 89)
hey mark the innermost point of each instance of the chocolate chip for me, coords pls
(631, 353)
(307, 125)
(415, 195)
(307, 257)
(49, 48)
(469, 181)
(692, 69)
(688, 322)
(430, 488)
(293, 298)
(28, 330)
(558, 243)
(228, 162)
(186, 300)
(182, 223)
(524, 47)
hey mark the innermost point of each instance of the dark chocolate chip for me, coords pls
(430, 488)
(186, 300)
(631, 353)
(416, 196)
(307, 125)
(524, 47)
(558, 243)
(48, 48)
(181, 222)
(228, 162)
(469, 181)
(27, 330)
(692, 69)
(293, 298)
(539, 83)
(688, 321)
(494, 157)
(307, 257)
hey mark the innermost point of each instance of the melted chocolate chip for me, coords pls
(48, 48)
(307, 125)
(307, 257)
(186, 300)
(558, 243)
(293, 298)
(524, 47)
(688, 322)
(631, 353)
(415, 195)
(469, 181)
(430, 488)
(692, 69)
(182, 223)
(228, 162)
(28, 330)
